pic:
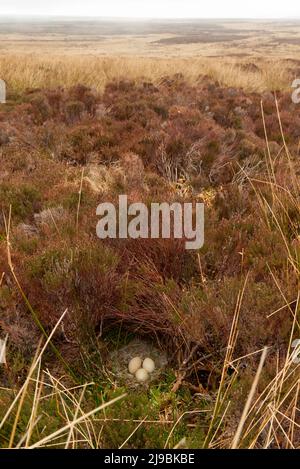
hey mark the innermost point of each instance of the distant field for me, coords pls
(152, 38)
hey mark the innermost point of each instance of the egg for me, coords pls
(134, 364)
(142, 375)
(149, 365)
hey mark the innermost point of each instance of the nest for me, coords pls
(118, 361)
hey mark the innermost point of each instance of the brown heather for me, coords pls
(218, 135)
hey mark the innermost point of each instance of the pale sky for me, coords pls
(155, 8)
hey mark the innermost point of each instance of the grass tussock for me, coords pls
(34, 71)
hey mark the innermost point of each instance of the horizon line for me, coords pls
(189, 18)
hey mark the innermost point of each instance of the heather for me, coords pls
(211, 311)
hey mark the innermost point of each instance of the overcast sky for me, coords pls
(155, 8)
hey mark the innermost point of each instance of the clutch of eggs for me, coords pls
(141, 369)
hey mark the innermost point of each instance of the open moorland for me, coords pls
(164, 38)
(162, 112)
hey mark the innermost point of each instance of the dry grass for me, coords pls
(36, 71)
(77, 421)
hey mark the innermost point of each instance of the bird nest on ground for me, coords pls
(118, 361)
